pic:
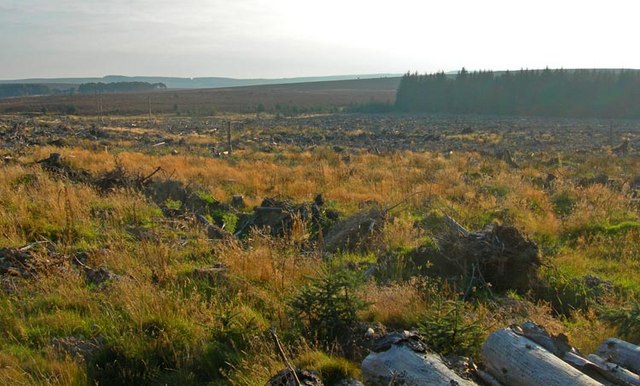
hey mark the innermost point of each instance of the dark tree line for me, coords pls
(565, 93)
(23, 89)
(116, 87)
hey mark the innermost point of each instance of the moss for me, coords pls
(331, 369)
(173, 204)
(207, 198)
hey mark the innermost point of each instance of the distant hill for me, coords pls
(288, 98)
(193, 83)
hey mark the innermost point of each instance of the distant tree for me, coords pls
(23, 89)
(119, 87)
(571, 93)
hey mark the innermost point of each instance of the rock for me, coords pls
(214, 232)
(237, 201)
(213, 275)
(622, 149)
(99, 276)
(8, 285)
(78, 348)
(404, 338)
(55, 165)
(600, 179)
(506, 156)
(361, 339)
(279, 216)
(54, 160)
(349, 382)
(57, 142)
(285, 378)
(118, 178)
(14, 262)
(22, 262)
(355, 233)
(462, 366)
(191, 199)
(597, 287)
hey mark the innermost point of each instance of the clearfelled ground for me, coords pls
(159, 324)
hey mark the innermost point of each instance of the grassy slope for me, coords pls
(161, 326)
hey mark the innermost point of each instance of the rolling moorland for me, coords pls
(287, 98)
(69, 86)
(164, 248)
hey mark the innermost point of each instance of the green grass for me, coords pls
(160, 323)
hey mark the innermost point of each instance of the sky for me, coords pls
(291, 38)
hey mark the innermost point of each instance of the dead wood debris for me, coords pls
(498, 257)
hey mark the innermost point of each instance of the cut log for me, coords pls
(621, 353)
(406, 362)
(488, 378)
(556, 344)
(517, 361)
(615, 372)
(589, 368)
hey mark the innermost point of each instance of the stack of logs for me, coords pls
(527, 355)
(523, 355)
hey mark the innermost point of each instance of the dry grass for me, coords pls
(157, 310)
(394, 305)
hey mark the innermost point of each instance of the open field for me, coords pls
(297, 97)
(526, 137)
(126, 259)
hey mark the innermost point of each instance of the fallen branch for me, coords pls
(151, 175)
(284, 358)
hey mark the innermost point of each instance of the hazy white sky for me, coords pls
(288, 38)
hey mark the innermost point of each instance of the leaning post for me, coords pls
(229, 147)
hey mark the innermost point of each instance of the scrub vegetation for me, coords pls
(131, 262)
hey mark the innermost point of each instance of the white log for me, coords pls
(621, 353)
(587, 367)
(616, 372)
(517, 361)
(408, 368)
